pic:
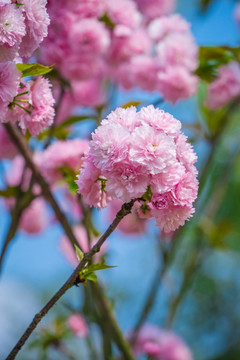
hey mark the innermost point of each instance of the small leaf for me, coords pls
(9, 192)
(33, 69)
(98, 266)
(148, 194)
(79, 253)
(131, 103)
(91, 277)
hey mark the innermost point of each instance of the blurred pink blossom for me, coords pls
(161, 344)
(77, 324)
(225, 88)
(156, 8)
(34, 218)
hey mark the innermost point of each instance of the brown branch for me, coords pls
(125, 210)
(25, 152)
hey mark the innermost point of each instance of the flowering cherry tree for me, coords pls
(63, 63)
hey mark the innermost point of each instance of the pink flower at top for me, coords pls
(67, 153)
(41, 107)
(161, 344)
(9, 83)
(166, 25)
(156, 8)
(7, 148)
(176, 83)
(225, 88)
(12, 30)
(34, 217)
(160, 120)
(81, 236)
(77, 324)
(124, 12)
(155, 151)
(37, 21)
(132, 153)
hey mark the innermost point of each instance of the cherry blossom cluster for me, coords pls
(143, 156)
(23, 27)
(135, 44)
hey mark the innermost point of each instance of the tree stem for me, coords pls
(125, 210)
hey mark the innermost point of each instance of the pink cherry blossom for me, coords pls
(89, 38)
(9, 83)
(77, 324)
(156, 8)
(178, 50)
(124, 12)
(132, 153)
(140, 71)
(41, 107)
(91, 184)
(225, 88)
(176, 83)
(62, 154)
(89, 92)
(161, 344)
(166, 25)
(36, 21)
(127, 43)
(12, 30)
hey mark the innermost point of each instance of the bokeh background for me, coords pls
(208, 316)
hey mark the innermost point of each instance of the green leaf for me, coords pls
(91, 277)
(107, 21)
(79, 253)
(9, 192)
(98, 266)
(131, 103)
(212, 57)
(33, 69)
(148, 194)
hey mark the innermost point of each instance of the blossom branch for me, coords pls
(73, 280)
(25, 152)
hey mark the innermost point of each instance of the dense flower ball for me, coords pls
(161, 344)
(144, 156)
(226, 87)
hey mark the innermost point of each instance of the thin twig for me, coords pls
(24, 150)
(72, 280)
